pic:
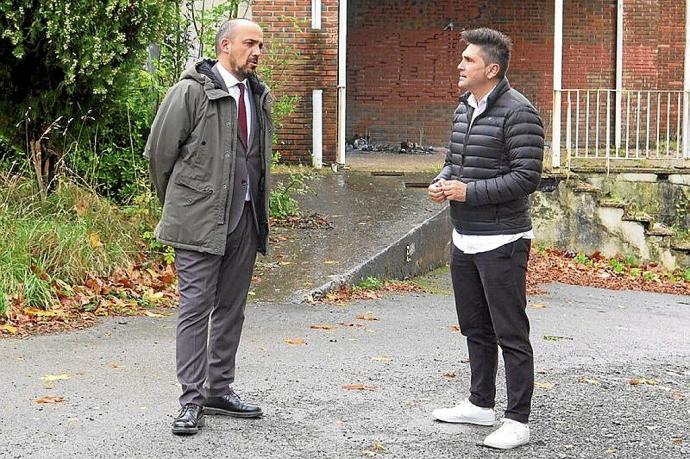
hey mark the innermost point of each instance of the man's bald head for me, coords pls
(229, 29)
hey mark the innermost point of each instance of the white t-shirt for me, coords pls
(469, 243)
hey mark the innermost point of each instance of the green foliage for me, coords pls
(617, 265)
(67, 237)
(281, 202)
(583, 259)
(686, 275)
(370, 283)
(60, 59)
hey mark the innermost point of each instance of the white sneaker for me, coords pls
(466, 413)
(510, 435)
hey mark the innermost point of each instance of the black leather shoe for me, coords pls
(189, 420)
(231, 405)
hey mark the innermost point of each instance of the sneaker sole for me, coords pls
(234, 414)
(504, 448)
(465, 421)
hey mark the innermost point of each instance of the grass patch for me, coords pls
(435, 282)
(72, 235)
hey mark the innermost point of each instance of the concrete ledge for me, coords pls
(422, 249)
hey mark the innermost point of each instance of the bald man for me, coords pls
(209, 154)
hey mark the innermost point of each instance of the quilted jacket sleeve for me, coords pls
(524, 138)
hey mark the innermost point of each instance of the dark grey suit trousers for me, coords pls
(213, 294)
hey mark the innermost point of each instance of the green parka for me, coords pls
(191, 153)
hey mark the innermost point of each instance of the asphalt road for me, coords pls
(121, 394)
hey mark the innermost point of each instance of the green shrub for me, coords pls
(71, 235)
(370, 283)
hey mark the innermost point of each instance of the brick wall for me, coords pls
(402, 72)
(405, 81)
(287, 24)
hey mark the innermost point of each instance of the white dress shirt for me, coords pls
(231, 82)
(470, 243)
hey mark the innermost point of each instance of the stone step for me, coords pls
(645, 219)
(659, 230)
(613, 203)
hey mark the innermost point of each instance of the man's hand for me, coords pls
(436, 192)
(454, 190)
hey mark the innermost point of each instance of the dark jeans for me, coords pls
(490, 299)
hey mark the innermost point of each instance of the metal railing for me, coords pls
(646, 125)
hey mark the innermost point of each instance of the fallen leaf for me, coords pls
(153, 297)
(640, 381)
(295, 341)
(322, 326)
(349, 324)
(95, 240)
(330, 262)
(367, 316)
(677, 441)
(677, 395)
(377, 447)
(381, 358)
(455, 328)
(153, 314)
(8, 328)
(556, 338)
(544, 385)
(611, 450)
(359, 386)
(51, 378)
(449, 375)
(589, 380)
(115, 365)
(537, 306)
(51, 399)
(41, 312)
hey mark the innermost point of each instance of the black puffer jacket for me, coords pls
(500, 159)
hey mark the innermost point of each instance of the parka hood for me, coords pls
(201, 71)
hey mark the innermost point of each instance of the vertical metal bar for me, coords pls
(577, 123)
(668, 123)
(678, 134)
(620, 32)
(342, 82)
(637, 122)
(686, 85)
(587, 127)
(315, 14)
(658, 122)
(646, 145)
(627, 124)
(608, 124)
(557, 82)
(596, 140)
(317, 131)
(568, 125)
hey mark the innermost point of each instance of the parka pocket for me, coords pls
(192, 191)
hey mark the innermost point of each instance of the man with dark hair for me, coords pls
(210, 152)
(494, 163)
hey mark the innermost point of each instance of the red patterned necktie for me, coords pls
(242, 115)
